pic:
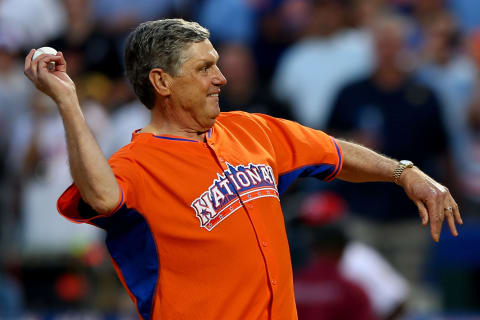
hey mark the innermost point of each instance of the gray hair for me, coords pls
(158, 44)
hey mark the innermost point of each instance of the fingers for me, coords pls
(28, 59)
(448, 210)
(451, 223)
(45, 60)
(48, 74)
(62, 61)
(456, 213)
(422, 210)
(453, 215)
(436, 216)
(61, 65)
(42, 68)
(434, 202)
(31, 66)
(28, 65)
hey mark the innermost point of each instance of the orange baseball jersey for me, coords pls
(199, 232)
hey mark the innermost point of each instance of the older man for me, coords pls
(191, 205)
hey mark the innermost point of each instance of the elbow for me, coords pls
(104, 207)
(103, 204)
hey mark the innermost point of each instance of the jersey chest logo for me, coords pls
(231, 190)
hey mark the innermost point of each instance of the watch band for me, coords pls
(401, 166)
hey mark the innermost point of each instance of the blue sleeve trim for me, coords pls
(175, 139)
(340, 160)
(132, 246)
(320, 171)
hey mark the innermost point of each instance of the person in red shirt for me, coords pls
(191, 206)
(322, 292)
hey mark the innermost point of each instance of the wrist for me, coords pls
(66, 101)
(398, 172)
(408, 175)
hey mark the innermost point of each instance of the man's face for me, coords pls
(195, 91)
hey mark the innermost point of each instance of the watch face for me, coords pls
(406, 163)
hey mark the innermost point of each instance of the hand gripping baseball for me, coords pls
(52, 81)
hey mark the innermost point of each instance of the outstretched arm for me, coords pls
(90, 170)
(434, 201)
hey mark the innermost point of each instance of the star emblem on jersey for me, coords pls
(230, 191)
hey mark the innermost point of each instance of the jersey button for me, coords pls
(250, 206)
(221, 159)
(274, 282)
(264, 243)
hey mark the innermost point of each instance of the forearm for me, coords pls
(361, 164)
(434, 201)
(90, 170)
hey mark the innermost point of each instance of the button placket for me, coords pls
(265, 246)
(221, 160)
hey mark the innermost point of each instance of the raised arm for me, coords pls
(434, 201)
(89, 168)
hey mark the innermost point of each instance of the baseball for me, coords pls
(45, 50)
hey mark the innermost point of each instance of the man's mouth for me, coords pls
(212, 95)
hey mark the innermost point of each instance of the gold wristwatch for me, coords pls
(401, 166)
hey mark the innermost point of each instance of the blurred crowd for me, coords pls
(399, 76)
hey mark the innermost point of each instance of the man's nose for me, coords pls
(219, 79)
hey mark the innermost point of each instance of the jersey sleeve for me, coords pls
(71, 205)
(301, 151)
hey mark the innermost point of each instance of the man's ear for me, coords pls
(160, 81)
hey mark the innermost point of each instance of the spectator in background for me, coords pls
(312, 70)
(15, 97)
(125, 119)
(392, 112)
(386, 289)
(228, 20)
(280, 24)
(447, 68)
(33, 21)
(467, 13)
(39, 150)
(11, 297)
(469, 165)
(94, 60)
(15, 92)
(243, 90)
(421, 11)
(38, 155)
(97, 67)
(86, 46)
(322, 292)
(119, 16)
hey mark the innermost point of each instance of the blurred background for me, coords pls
(399, 76)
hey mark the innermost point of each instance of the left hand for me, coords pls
(434, 201)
